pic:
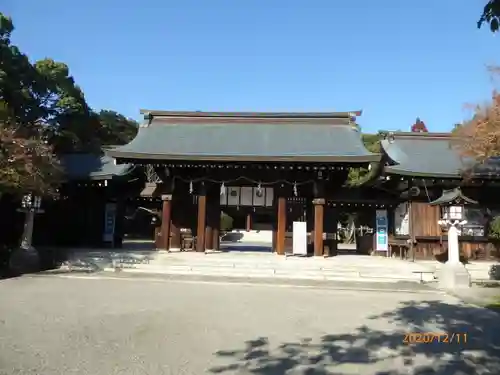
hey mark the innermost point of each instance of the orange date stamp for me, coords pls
(438, 337)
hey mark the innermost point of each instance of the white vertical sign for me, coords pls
(299, 238)
(233, 196)
(269, 197)
(246, 196)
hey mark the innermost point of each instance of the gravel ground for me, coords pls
(105, 326)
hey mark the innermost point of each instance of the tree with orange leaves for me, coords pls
(479, 138)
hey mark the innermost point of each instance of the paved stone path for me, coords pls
(105, 326)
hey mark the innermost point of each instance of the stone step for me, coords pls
(476, 271)
(282, 275)
(283, 268)
(305, 264)
(276, 272)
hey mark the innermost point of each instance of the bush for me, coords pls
(494, 230)
(494, 272)
(226, 222)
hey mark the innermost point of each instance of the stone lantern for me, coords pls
(26, 257)
(453, 274)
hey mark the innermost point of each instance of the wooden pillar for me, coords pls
(209, 229)
(216, 225)
(165, 221)
(202, 220)
(280, 235)
(318, 226)
(330, 227)
(157, 237)
(175, 239)
(213, 218)
(175, 219)
(248, 225)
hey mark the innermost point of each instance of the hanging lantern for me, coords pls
(259, 193)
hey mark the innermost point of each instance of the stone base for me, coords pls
(24, 260)
(454, 276)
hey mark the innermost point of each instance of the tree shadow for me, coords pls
(474, 348)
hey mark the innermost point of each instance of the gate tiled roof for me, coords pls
(254, 137)
(432, 155)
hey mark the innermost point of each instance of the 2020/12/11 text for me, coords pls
(439, 337)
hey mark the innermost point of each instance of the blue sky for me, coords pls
(394, 59)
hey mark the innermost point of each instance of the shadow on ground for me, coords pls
(474, 349)
(64, 261)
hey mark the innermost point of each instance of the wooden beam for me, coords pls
(213, 217)
(202, 219)
(280, 236)
(175, 239)
(248, 225)
(209, 229)
(165, 221)
(318, 226)
(216, 233)
(216, 222)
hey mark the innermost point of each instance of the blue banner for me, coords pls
(382, 226)
(109, 222)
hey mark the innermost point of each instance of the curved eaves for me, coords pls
(392, 150)
(247, 142)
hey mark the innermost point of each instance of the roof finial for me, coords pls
(148, 118)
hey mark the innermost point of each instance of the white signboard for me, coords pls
(246, 194)
(382, 226)
(269, 197)
(233, 196)
(299, 238)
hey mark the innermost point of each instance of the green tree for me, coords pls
(116, 129)
(357, 176)
(43, 112)
(19, 81)
(43, 97)
(491, 15)
(67, 119)
(45, 100)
